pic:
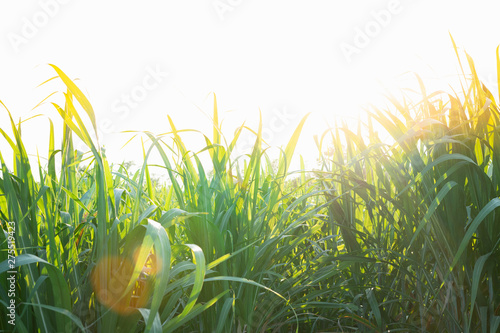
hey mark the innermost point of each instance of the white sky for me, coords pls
(282, 56)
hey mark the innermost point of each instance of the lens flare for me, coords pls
(110, 279)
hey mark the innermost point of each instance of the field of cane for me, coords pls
(400, 235)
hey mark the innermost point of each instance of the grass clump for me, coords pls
(401, 235)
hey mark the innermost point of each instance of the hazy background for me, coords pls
(141, 61)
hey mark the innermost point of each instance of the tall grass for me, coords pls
(418, 216)
(400, 235)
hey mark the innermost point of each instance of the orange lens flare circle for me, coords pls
(110, 279)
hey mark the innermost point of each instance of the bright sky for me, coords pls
(141, 61)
